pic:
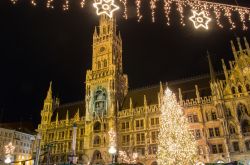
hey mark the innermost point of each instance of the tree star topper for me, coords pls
(200, 19)
(105, 7)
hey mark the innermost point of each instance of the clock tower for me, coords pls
(106, 86)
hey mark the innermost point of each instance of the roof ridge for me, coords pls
(173, 82)
(69, 104)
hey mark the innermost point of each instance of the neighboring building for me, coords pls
(22, 139)
(218, 110)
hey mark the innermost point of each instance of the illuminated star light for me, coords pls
(9, 148)
(200, 19)
(105, 7)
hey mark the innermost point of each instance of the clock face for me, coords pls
(102, 49)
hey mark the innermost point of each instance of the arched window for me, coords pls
(245, 126)
(248, 87)
(231, 129)
(233, 90)
(105, 63)
(247, 145)
(97, 141)
(240, 89)
(228, 112)
(241, 110)
(97, 127)
(98, 65)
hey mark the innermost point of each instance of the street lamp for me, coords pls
(112, 151)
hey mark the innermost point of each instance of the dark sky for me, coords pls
(38, 45)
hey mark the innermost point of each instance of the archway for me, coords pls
(154, 163)
(97, 158)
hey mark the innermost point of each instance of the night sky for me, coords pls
(39, 44)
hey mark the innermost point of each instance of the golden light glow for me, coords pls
(50, 4)
(13, 1)
(66, 5)
(153, 7)
(9, 148)
(82, 3)
(33, 2)
(125, 14)
(105, 7)
(176, 144)
(200, 20)
(138, 12)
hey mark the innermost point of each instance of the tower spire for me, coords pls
(211, 68)
(234, 51)
(49, 93)
(239, 44)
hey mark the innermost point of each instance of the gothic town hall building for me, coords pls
(217, 107)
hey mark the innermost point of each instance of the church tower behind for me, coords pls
(106, 86)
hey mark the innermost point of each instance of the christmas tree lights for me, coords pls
(176, 143)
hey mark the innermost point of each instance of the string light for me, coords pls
(138, 13)
(66, 5)
(13, 2)
(128, 159)
(176, 144)
(125, 15)
(33, 2)
(153, 7)
(167, 9)
(82, 3)
(50, 4)
(180, 6)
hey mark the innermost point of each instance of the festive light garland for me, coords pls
(213, 10)
(128, 159)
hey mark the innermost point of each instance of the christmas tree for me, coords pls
(176, 145)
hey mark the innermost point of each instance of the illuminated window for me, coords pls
(154, 136)
(97, 141)
(125, 140)
(231, 129)
(236, 146)
(140, 138)
(139, 124)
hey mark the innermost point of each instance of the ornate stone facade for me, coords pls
(217, 108)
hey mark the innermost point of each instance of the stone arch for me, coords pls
(97, 158)
(241, 110)
(245, 126)
(233, 90)
(240, 89)
(232, 129)
(154, 163)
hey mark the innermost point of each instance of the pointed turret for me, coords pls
(67, 117)
(161, 89)
(247, 46)
(49, 93)
(211, 68)
(130, 104)
(224, 69)
(56, 119)
(145, 101)
(239, 44)
(234, 51)
(197, 93)
(180, 96)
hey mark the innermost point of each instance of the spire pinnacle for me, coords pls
(224, 69)
(234, 50)
(211, 69)
(49, 93)
(239, 44)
